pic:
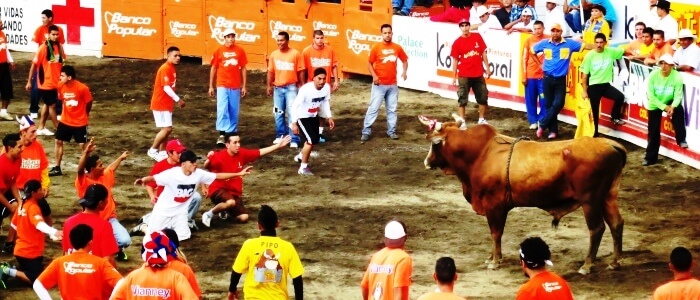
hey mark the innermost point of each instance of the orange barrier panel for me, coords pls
(248, 18)
(292, 17)
(328, 17)
(362, 24)
(133, 28)
(182, 26)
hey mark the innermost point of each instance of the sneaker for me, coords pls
(2, 283)
(305, 171)
(6, 116)
(394, 136)
(55, 171)
(206, 219)
(192, 224)
(364, 138)
(223, 215)
(552, 136)
(313, 154)
(152, 153)
(277, 141)
(483, 121)
(533, 126)
(293, 145)
(5, 270)
(44, 131)
(619, 121)
(161, 156)
(540, 132)
(683, 145)
(8, 247)
(138, 230)
(321, 138)
(396, 11)
(647, 162)
(297, 158)
(220, 141)
(34, 116)
(121, 255)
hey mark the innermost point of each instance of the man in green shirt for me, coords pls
(597, 69)
(665, 94)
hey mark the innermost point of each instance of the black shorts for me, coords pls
(50, 97)
(44, 207)
(308, 130)
(478, 84)
(66, 132)
(222, 195)
(32, 267)
(5, 82)
(4, 211)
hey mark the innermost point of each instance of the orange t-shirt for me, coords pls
(148, 283)
(383, 58)
(3, 47)
(30, 241)
(80, 275)
(41, 34)
(229, 62)
(388, 269)
(33, 162)
(441, 295)
(186, 270)
(533, 66)
(161, 101)
(49, 69)
(656, 53)
(545, 286)
(285, 66)
(75, 96)
(319, 58)
(107, 179)
(678, 290)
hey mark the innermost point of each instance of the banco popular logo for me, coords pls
(243, 29)
(359, 42)
(293, 30)
(123, 25)
(178, 29)
(328, 29)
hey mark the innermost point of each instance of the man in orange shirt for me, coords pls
(533, 78)
(41, 35)
(382, 66)
(543, 284)
(388, 276)
(47, 63)
(285, 74)
(320, 55)
(97, 173)
(162, 103)
(683, 285)
(661, 47)
(79, 275)
(229, 75)
(30, 226)
(77, 103)
(445, 276)
(178, 262)
(6, 64)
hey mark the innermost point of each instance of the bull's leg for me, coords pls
(596, 228)
(612, 216)
(497, 222)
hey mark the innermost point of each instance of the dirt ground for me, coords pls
(335, 219)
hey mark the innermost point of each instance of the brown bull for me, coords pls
(558, 177)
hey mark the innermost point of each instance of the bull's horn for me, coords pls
(458, 118)
(425, 121)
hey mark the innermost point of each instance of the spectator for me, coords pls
(555, 15)
(6, 64)
(532, 78)
(665, 93)
(486, 21)
(661, 47)
(518, 8)
(267, 261)
(596, 24)
(683, 285)
(645, 47)
(573, 15)
(503, 13)
(473, 14)
(523, 24)
(402, 7)
(445, 276)
(648, 14)
(80, 274)
(634, 47)
(609, 11)
(687, 56)
(543, 284)
(458, 10)
(388, 275)
(178, 262)
(666, 23)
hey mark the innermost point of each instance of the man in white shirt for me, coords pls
(312, 102)
(486, 21)
(667, 23)
(179, 185)
(474, 13)
(648, 15)
(687, 56)
(555, 15)
(524, 23)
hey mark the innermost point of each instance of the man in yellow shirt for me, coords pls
(445, 276)
(645, 47)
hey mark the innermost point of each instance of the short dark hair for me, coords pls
(318, 32)
(11, 140)
(538, 22)
(53, 28)
(172, 49)
(47, 12)
(80, 236)
(640, 23)
(172, 236)
(320, 71)
(600, 36)
(660, 32)
(91, 162)
(534, 252)
(681, 259)
(267, 217)
(445, 270)
(97, 192)
(648, 30)
(385, 26)
(229, 135)
(69, 70)
(30, 187)
(284, 34)
(599, 7)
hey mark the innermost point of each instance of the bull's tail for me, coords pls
(620, 150)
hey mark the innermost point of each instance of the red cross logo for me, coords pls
(74, 16)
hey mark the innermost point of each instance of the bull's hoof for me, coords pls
(584, 271)
(492, 266)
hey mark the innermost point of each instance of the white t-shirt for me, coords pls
(670, 27)
(521, 25)
(688, 57)
(311, 102)
(178, 190)
(491, 23)
(553, 16)
(648, 16)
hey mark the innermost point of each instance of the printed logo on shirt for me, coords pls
(390, 58)
(73, 268)
(268, 268)
(381, 269)
(183, 192)
(30, 164)
(551, 286)
(320, 62)
(167, 79)
(230, 59)
(378, 291)
(138, 291)
(281, 65)
(601, 64)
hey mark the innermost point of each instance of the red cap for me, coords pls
(175, 145)
(463, 20)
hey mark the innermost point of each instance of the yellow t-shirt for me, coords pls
(440, 296)
(267, 261)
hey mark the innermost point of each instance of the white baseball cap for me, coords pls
(481, 10)
(394, 230)
(667, 58)
(527, 12)
(557, 2)
(229, 31)
(686, 33)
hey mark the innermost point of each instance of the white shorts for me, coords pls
(163, 118)
(178, 223)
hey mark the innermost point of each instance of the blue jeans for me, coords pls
(574, 20)
(228, 103)
(534, 90)
(554, 95)
(120, 233)
(389, 95)
(283, 97)
(405, 7)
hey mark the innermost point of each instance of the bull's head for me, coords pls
(436, 135)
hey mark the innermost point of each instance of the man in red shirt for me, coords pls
(10, 162)
(226, 194)
(104, 244)
(469, 59)
(543, 284)
(41, 35)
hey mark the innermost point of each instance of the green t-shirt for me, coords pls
(662, 91)
(599, 66)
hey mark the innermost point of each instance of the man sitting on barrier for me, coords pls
(687, 56)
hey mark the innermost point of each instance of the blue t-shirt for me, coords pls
(557, 56)
(609, 10)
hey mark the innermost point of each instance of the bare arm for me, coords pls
(224, 176)
(88, 108)
(83, 157)
(485, 59)
(244, 81)
(267, 150)
(115, 164)
(302, 76)
(584, 85)
(365, 293)
(212, 77)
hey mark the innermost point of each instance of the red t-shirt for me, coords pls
(222, 162)
(10, 172)
(468, 52)
(157, 168)
(103, 242)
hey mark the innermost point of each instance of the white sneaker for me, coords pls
(277, 141)
(34, 116)
(161, 156)
(206, 219)
(483, 121)
(313, 154)
(298, 158)
(152, 153)
(6, 116)
(192, 224)
(293, 145)
(44, 131)
(533, 126)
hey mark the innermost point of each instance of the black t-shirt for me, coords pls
(503, 16)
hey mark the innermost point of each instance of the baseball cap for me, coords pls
(188, 155)
(229, 31)
(95, 193)
(175, 145)
(481, 10)
(686, 34)
(394, 230)
(464, 20)
(527, 12)
(667, 58)
(24, 122)
(556, 26)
